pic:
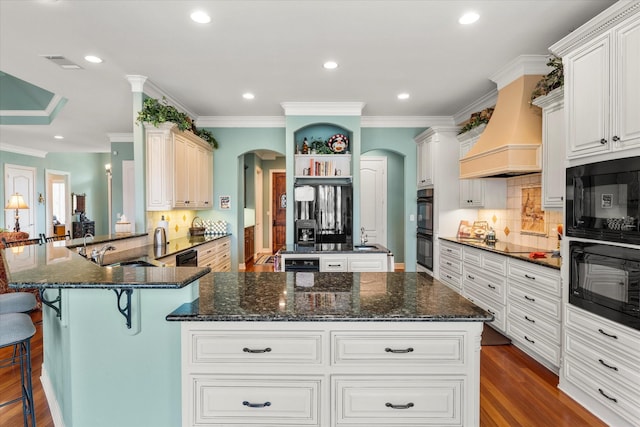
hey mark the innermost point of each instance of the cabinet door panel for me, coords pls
(627, 102)
(588, 99)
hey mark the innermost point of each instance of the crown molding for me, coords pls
(553, 97)
(521, 66)
(240, 122)
(120, 137)
(322, 108)
(34, 117)
(596, 26)
(143, 84)
(404, 121)
(488, 100)
(22, 150)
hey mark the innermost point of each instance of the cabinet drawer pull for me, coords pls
(448, 277)
(608, 366)
(529, 277)
(493, 313)
(615, 337)
(615, 138)
(449, 250)
(471, 277)
(248, 350)
(448, 263)
(529, 339)
(333, 265)
(603, 141)
(392, 406)
(256, 405)
(530, 320)
(613, 399)
(491, 287)
(528, 298)
(390, 350)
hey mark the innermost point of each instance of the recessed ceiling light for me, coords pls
(248, 95)
(92, 58)
(58, 137)
(403, 95)
(469, 18)
(200, 17)
(330, 65)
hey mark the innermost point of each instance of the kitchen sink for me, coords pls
(135, 263)
(365, 248)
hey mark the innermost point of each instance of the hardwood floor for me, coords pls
(515, 390)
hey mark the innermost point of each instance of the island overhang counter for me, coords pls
(329, 349)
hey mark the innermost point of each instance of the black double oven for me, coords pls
(425, 228)
(603, 211)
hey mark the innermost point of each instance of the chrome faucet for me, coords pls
(83, 251)
(98, 256)
(363, 237)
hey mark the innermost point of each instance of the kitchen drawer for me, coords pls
(472, 256)
(597, 359)
(494, 262)
(535, 302)
(603, 333)
(333, 264)
(245, 401)
(450, 263)
(454, 280)
(549, 328)
(497, 310)
(543, 279)
(250, 347)
(398, 348)
(489, 284)
(519, 330)
(370, 262)
(619, 399)
(453, 250)
(387, 401)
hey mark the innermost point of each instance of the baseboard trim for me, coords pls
(54, 407)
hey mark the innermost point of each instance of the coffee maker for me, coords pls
(305, 231)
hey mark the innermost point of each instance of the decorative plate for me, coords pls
(338, 143)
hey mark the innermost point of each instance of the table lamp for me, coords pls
(16, 201)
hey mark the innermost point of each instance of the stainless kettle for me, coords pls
(159, 237)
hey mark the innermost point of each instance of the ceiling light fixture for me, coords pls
(248, 95)
(468, 18)
(93, 59)
(403, 96)
(200, 17)
(58, 137)
(330, 65)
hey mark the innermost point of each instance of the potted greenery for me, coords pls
(156, 112)
(551, 81)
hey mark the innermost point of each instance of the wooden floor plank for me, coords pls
(515, 390)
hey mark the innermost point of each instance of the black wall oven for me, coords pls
(603, 201)
(425, 228)
(605, 280)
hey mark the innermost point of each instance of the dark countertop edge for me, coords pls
(79, 241)
(311, 251)
(117, 285)
(320, 318)
(522, 257)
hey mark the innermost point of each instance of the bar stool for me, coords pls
(17, 330)
(17, 302)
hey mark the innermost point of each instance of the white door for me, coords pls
(21, 179)
(373, 199)
(258, 245)
(129, 192)
(58, 200)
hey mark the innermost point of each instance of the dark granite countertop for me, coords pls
(54, 265)
(323, 248)
(77, 242)
(398, 297)
(512, 250)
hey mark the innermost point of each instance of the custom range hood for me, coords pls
(511, 142)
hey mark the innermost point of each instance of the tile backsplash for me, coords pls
(508, 223)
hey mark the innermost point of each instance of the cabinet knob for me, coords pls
(616, 138)
(603, 141)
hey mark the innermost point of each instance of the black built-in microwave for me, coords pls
(603, 201)
(605, 280)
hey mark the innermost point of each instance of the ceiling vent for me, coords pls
(62, 62)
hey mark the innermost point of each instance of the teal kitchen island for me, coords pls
(253, 349)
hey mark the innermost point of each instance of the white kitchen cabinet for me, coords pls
(600, 365)
(553, 148)
(451, 265)
(179, 169)
(215, 254)
(424, 170)
(330, 374)
(602, 65)
(480, 193)
(346, 262)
